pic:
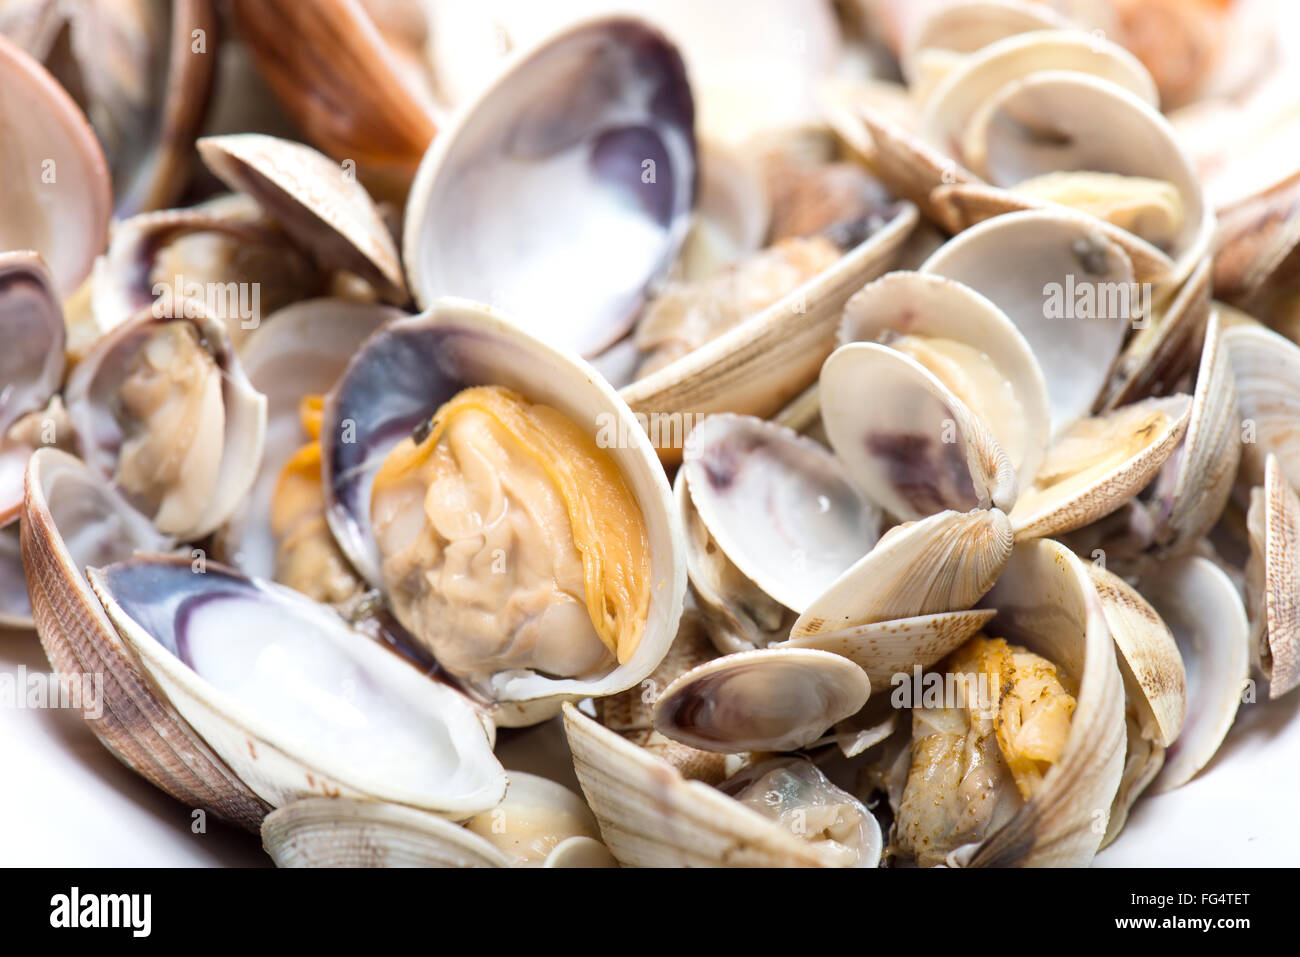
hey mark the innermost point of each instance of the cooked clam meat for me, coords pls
(170, 401)
(307, 558)
(1150, 208)
(796, 794)
(509, 540)
(688, 314)
(977, 756)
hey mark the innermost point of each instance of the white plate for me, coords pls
(66, 801)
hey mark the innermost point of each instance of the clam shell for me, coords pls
(316, 200)
(1057, 120)
(59, 197)
(31, 367)
(907, 440)
(346, 832)
(1266, 370)
(1051, 252)
(1203, 610)
(957, 99)
(1211, 452)
(1083, 478)
(328, 65)
(136, 722)
(815, 522)
(616, 175)
(921, 304)
(769, 700)
(885, 649)
(1058, 825)
(650, 816)
(91, 400)
(1275, 540)
(393, 734)
(943, 563)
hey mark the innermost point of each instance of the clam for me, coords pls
(162, 407)
(244, 264)
(56, 173)
(1265, 371)
(767, 700)
(498, 417)
(351, 102)
(947, 406)
(761, 364)
(945, 38)
(592, 128)
(1203, 610)
(318, 202)
(208, 641)
(1050, 249)
(71, 520)
(146, 128)
(1273, 582)
(650, 816)
(31, 368)
(1155, 682)
(539, 824)
(1026, 777)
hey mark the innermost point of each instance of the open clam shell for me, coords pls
(1058, 122)
(71, 519)
(1204, 612)
(768, 700)
(31, 366)
(1155, 682)
(1206, 465)
(592, 128)
(1098, 464)
(943, 563)
(1057, 826)
(147, 103)
(406, 371)
(540, 823)
(1060, 258)
(815, 522)
(942, 39)
(740, 615)
(930, 306)
(1164, 349)
(909, 442)
(317, 201)
(885, 649)
(1266, 372)
(347, 832)
(224, 420)
(958, 98)
(59, 197)
(207, 639)
(330, 68)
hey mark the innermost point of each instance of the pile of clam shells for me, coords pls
(583, 434)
